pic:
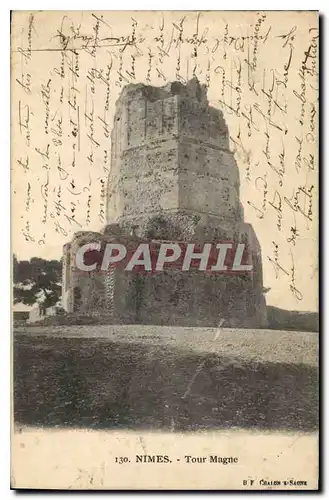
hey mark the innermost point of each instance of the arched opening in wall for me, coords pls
(76, 298)
(139, 285)
(66, 267)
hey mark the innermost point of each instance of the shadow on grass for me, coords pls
(100, 384)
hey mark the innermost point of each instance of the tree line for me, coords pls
(37, 281)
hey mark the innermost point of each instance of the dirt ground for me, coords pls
(165, 378)
(260, 345)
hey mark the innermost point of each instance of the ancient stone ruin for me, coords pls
(172, 178)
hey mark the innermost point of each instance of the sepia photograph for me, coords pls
(164, 245)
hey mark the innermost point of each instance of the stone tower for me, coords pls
(173, 178)
(170, 155)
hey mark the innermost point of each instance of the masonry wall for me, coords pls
(170, 152)
(172, 178)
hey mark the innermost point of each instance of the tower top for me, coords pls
(193, 89)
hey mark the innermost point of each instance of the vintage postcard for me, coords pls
(165, 250)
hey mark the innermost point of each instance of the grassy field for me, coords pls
(165, 378)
